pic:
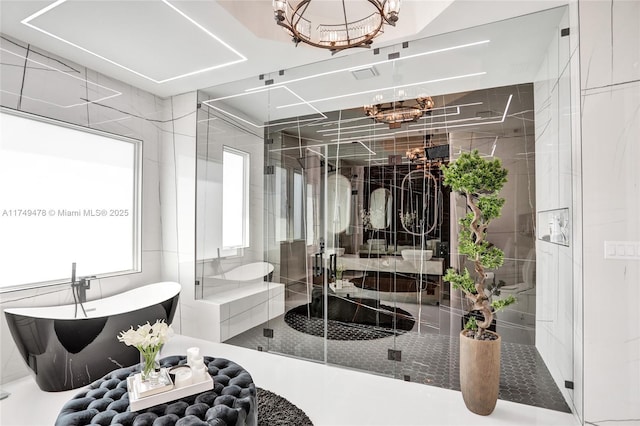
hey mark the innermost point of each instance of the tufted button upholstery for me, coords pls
(232, 401)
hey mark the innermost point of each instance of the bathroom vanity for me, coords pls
(397, 265)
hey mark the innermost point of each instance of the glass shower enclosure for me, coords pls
(348, 227)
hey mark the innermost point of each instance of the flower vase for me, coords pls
(150, 365)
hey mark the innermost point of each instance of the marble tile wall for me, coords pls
(38, 82)
(177, 192)
(610, 127)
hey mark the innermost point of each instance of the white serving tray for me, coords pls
(136, 403)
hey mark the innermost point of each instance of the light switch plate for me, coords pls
(628, 250)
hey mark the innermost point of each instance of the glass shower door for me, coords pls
(294, 244)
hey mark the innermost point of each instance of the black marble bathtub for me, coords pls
(65, 352)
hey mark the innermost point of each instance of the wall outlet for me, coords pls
(628, 250)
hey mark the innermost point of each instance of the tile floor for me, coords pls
(330, 396)
(428, 355)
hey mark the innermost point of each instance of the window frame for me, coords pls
(136, 249)
(246, 187)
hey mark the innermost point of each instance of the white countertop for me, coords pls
(434, 266)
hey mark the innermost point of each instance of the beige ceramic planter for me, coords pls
(480, 373)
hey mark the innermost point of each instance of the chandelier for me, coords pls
(421, 159)
(430, 155)
(397, 113)
(343, 34)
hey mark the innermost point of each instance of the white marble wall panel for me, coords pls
(610, 45)
(546, 143)
(565, 165)
(12, 57)
(177, 194)
(168, 196)
(151, 205)
(59, 89)
(184, 109)
(611, 155)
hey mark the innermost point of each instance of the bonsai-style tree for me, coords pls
(480, 181)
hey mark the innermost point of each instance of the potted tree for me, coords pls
(479, 180)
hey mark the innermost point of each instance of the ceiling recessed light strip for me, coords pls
(258, 126)
(364, 92)
(366, 126)
(342, 156)
(210, 102)
(367, 148)
(241, 57)
(359, 67)
(320, 145)
(493, 148)
(345, 120)
(376, 126)
(422, 127)
(369, 138)
(351, 120)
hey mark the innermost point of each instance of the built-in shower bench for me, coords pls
(238, 307)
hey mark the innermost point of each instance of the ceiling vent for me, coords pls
(364, 73)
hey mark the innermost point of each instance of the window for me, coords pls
(293, 208)
(235, 198)
(281, 203)
(311, 222)
(67, 194)
(298, 205)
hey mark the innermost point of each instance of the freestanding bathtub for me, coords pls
(66, 351)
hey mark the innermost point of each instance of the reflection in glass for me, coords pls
(281, 203)
(344, 201)
(421, 201)
(235, 195)
(338, 202)
(298, 204)
(380, 205)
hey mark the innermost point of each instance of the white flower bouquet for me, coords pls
(408, 219)
(148, 339)
(366, 219)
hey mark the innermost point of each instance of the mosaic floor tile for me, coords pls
(428, 356)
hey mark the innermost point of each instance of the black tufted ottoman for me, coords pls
(232, 401)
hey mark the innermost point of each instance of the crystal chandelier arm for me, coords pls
(346, 22)
(304, 4)
(335, 37)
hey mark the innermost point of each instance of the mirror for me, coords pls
(338, 202)
(421, 202)
(380, 208)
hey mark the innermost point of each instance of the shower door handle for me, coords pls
(332, 265)
(317, 264)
